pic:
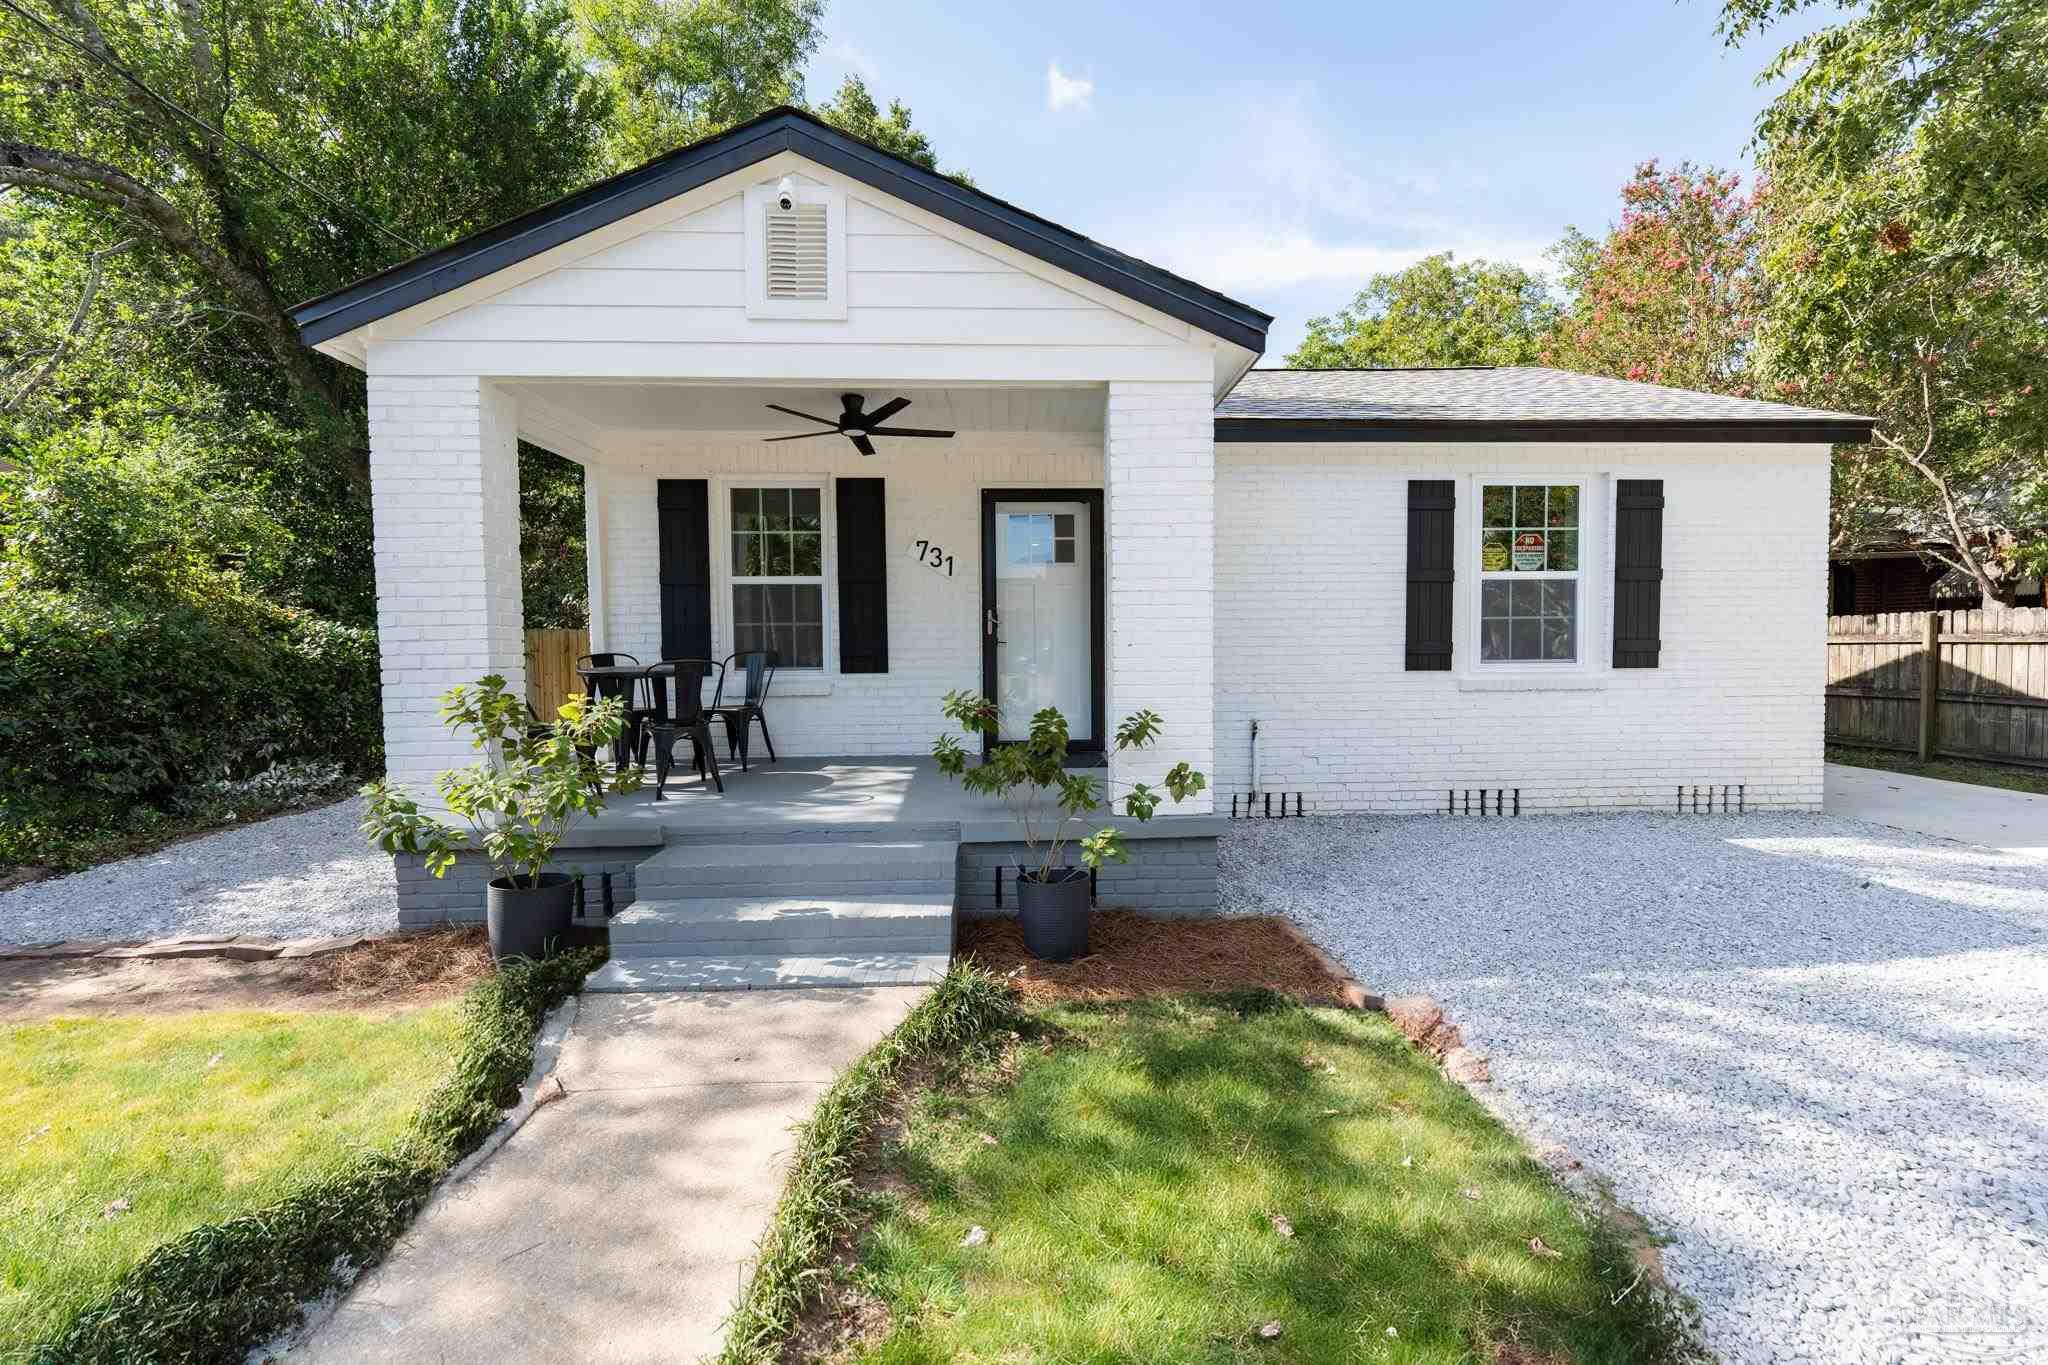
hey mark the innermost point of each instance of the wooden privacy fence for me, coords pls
(1986, 698)
(551, 667)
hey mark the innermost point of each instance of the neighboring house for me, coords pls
(1901, 577)
(1565, 591)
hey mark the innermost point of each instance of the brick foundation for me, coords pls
(1175, 876)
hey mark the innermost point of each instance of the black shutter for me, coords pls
(863, 578)
(1432, 541)
(684, 508)
(1638, 571)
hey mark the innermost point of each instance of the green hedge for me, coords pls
(112, 705)
(218, 1290)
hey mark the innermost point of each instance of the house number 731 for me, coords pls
(932, 557)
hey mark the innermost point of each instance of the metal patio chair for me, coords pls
(757, 666)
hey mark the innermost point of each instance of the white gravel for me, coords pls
(1813, 1051)
(296, 876)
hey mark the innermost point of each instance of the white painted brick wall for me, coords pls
(1160, 503)
(933, 493)
(444, 471)
(1310, 567)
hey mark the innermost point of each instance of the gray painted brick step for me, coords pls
(766, 973)
(668, 928)
(906, 867)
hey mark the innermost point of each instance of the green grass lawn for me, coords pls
(1140, 1161)
(118, 1134)
(1946, 769)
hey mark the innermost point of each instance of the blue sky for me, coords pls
(1282, 152)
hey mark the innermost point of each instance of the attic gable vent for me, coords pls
(797, 252)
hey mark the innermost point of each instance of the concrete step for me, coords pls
(785, 924)
(834, 832)
(763, 972)
(895, 867)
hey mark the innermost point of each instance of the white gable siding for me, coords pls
(666, 295)
(1311, 544)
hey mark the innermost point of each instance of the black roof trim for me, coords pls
(779, 130)
(1247, 430)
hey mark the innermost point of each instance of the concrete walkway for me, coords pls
(613, 1226)
(2013, 822)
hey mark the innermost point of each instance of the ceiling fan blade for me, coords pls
(861, 442)
(821, 421)
(886, 411)
(800, 436)
(906, 431)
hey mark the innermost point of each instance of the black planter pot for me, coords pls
(1053, 914)
(526, 921)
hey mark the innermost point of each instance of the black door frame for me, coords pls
(1092, 499)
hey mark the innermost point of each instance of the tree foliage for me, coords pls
(1436, 312)
(1907, 233)
(853, 110)
(1672, 293)
(679, 72)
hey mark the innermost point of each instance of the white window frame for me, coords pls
(1595, 654)
(756, 205)
(724, 624)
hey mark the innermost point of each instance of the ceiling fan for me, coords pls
(855, 425)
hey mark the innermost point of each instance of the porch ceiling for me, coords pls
(620, 409)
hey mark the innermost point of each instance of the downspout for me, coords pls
(1255, 758)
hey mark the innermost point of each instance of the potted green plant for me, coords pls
(518, 801)
(1031, 775)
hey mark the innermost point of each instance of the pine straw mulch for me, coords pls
(415, 967)
(1134, 955)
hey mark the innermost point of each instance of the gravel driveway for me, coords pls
(292, 877)
(1813, 1051)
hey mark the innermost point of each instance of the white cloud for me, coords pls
(1064, 92)
(1231, 258)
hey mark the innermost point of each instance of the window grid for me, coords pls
(1529, 563)
(778, 583)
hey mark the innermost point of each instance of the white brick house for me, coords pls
(1417, 584)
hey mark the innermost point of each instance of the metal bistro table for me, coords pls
(616, 680)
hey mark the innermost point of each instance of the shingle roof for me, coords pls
(780, 129)
(1519, 402)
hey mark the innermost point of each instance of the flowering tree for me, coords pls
(1671, 295)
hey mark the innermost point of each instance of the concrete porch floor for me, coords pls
(833, 795)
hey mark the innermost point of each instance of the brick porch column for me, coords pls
(1160, 544)
(444, 492)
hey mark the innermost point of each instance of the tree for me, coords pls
(680, 72)
(1672, 293)
(1436, 312)
(853, 110)
(265, 152)
(1907, 232)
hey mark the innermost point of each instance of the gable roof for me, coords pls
(779, 130)
(1524, 403)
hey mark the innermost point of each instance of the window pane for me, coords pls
(1493, 639)
(1564, 551)
(1525, 638)
(746, 509)
(1527, 598)
(803, 515)
(1493, 551)
(1560, 597)
(1564, 505)
(1493, 598)
(776, 549)
(746, 556)
(1063, 552)
(1498, 505)
(1063, 524)
(1559, 639)
(774, 509)
(1529, 505)
(1527, 553)
(804, 555)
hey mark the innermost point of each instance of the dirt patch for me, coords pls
(409, 969)
(1137, 955)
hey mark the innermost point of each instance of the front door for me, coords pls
(1041, 628)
